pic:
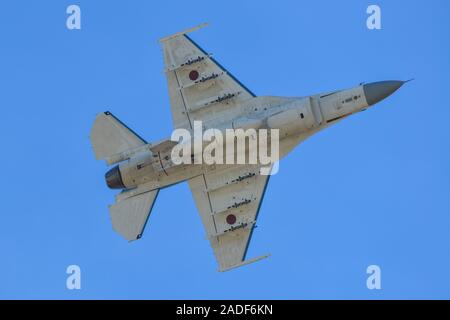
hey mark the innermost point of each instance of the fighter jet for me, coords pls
(228, 197)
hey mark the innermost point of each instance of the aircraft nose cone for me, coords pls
(114, 178)
(377, 91)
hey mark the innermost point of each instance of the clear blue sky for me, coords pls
(374, 189)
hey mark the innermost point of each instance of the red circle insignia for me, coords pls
(193, 75)
(231, 219)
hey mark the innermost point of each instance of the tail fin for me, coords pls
(109, 137)
(129, 216)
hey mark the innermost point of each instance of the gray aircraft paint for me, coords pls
(228, 196)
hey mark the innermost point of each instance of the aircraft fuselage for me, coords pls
(296, 119)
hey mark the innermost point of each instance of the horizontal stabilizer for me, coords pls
(130, 215)
(109, 137)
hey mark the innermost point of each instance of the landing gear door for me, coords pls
(316, 110)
